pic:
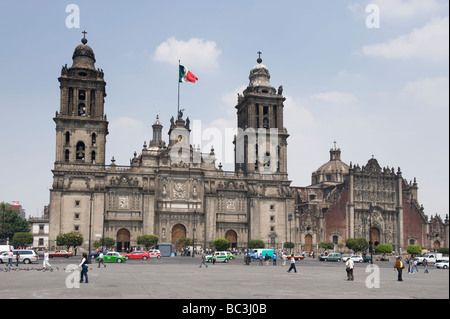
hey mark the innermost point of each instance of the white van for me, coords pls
(5, 248)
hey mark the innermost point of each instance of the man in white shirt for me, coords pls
(292, 264)
(349, 265)
(46, 263)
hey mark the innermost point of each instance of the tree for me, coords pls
(147, 240)
(414, 249)
(183, 241)
(220, 244)
(326, 245)
(288, 245)
(107, 243)
(383, 249)
(22, 239)
(12, 223)
(256, 243)
(69, 239)
(357, 244)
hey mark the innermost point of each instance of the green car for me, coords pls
(220, 256)
(113, 257)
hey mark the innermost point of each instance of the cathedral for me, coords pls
(172, 190)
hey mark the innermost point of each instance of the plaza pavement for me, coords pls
(181, 278)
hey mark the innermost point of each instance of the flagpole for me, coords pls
(178, 111)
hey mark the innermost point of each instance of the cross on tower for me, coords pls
(259, 57)
(84, 34)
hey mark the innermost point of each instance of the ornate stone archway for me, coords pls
(123, 239)
(231, 236)
(178, 231)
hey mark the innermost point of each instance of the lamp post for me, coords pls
(370, 233)
(290, 231)
(3, 222)
(90, 226)
(193, 234)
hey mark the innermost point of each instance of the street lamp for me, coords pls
(90, 226)
(193, 234)
(370, 233)
(3, 222)
(290, 232)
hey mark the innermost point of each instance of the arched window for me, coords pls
(81, 149)
(94, 139)
(81, 109)
(93, 157)
(92, 102)
(67, 138)
(66, 155)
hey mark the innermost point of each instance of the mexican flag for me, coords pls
(186, 75)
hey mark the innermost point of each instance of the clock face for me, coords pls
(180, 138)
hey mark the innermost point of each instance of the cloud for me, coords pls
(427, 93)
(196, 54)
(429, 43)
(335, 97)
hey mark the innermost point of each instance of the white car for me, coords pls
(355, 258)
(154, 253)
(442, 264)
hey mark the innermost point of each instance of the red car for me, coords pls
(137, 255)
(296, 256)
(61, 253)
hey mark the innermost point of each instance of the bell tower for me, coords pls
(261, 144)
(81, 125)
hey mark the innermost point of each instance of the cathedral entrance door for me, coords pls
(123, 240)
(375, 236)
(178, 231)
(308, 242)
(436, 245)
(231, 236)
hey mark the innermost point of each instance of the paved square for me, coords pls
(181, 278)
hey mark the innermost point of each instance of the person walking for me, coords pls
(415, 263)
(203, 262)
(45, 263)
(84, 268)
(17, 258)
(399, 266)
(292, 264)
(214, 258)
(425, 264)
(349, 266)
(260, 258)
(274, 258)
(100, 259)
(10, 258)
(284, 257)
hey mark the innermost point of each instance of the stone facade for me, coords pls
(168, 190)
(364, 202)
(175, 191)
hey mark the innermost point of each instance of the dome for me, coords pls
(333, 171)
(83, 56)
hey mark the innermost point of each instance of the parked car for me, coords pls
(26, 256)
(296, 256)
(331, 257)
(154, 253)
(442, 264)
(137, 255)
(61, 253)
(220, 256)
(112, 256)
(355, 258)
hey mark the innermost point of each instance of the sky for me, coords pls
(372, 75)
